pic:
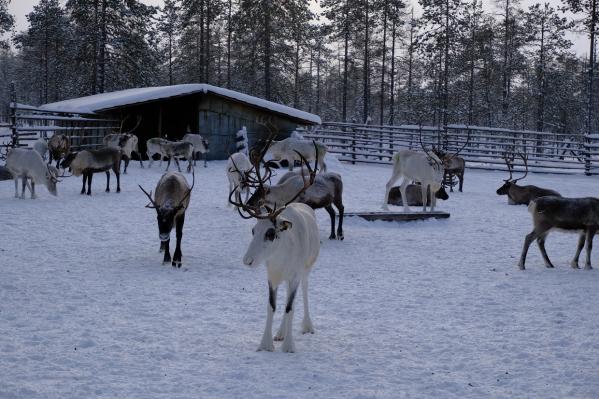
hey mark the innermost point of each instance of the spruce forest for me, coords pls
(376, 61)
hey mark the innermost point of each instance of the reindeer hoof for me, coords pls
(340, 237)
(574, 265)
(332, 237)
(107, 190)
(549, 266)
(588, 267)
(288, 347)
(267, 348)
(521, 266)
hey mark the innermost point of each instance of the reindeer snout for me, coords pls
(164, 237)
(248, 261)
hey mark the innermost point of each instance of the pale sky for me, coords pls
(20, 8)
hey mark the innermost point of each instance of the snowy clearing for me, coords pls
(432, 309)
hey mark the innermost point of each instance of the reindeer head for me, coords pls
(52, 179)
(510, 181)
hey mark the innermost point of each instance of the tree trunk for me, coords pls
(102, 53)
(345, 62)
(392, 74)
(229, 30)
(267, 50)
(382, 100)
(366, 82)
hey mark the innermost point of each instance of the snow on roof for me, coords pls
(107, 101)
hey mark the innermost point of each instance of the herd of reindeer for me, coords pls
(285, 235)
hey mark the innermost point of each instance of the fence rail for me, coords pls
(483, 147)
(26, 124)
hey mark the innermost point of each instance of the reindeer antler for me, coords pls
(154, 205)
(525, 160)
(430, 156)
(509, 159)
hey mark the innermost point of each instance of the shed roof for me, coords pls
(117, 99)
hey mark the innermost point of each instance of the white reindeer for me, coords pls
(288, 244)
(154, 146)
(290, 148)
(28, 164)
(425, 168)
(200, 145)
(286, 240)
(238, 166)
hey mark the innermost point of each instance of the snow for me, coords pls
(106, 101)
(434, 309)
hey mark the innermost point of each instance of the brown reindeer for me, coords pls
(521, 195)
(570, 214)
(414, 194)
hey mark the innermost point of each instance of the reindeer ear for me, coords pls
(284, 225)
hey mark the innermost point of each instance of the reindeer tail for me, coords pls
(532, 207)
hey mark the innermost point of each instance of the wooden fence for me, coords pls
(483, 147)
(26, 124)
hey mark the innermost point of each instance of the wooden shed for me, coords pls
(172, 111)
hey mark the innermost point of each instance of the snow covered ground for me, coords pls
(433, 309)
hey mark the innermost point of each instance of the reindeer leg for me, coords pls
(177, 255)
(84, 180)
(177, 162)
(167, 252)
(205, 160)
(424, 193)
(341, 209)
(394, 176)
(117, 173)
(288, 343)
(16, 178)
(331, 212)
(107, 181)
(161, 246)
(581, 240)
(541, 244)
(168, 164)
(404, 197)
(461, 177)
(590, 235)
(89, 183)
(141, 163)
(150, 160)
(267, 344)
(527, 241)
(23, 185)
(32, 189)
(307, 326)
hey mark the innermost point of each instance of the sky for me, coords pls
(20, 8)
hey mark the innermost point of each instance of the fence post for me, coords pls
(353, 146)
(587, 154)
(14, 137)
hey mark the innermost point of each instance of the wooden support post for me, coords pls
(14, 138)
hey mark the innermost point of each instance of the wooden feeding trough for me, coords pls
(398, 216)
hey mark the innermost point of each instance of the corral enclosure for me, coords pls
(421, 309)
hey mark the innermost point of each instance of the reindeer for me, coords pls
(88, 162)
(414, 193)
(571, 214)
(238, 169)
(176, 149)
(286, 241)
(28, 164)
(171, 200)
(154, 146)
(200, 146)
(425, 168)
(326, 191)
(289, 149)
(521, 195)
(59, 147)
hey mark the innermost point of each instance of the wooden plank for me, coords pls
(398, 216)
